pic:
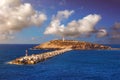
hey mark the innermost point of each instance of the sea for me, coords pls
(73, 65)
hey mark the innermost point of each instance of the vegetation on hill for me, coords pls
(72, 44)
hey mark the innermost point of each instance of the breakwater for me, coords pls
(35, 58)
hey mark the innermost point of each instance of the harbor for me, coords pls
(36, 58)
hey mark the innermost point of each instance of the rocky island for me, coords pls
(71, 44)
(59, 47)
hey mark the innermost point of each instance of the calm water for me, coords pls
(74, 65)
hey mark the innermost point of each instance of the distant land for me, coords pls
(70, 44)
(59, 47)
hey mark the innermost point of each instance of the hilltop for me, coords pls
(70, 44)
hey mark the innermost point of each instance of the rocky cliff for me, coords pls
(70, 44)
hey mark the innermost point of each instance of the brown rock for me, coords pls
(70, 44)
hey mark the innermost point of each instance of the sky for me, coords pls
(37, 21)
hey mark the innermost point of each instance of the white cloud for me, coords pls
(62, 15)
(82, 26)
(74, 28)
(55, 25)
(4, 3)
(102, 33)
(115, 33)
(15, 16)
(116, 25)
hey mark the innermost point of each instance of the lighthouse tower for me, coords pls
(63, 38)
(26, 52)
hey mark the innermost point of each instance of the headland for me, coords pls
(71, 44)
(59, 47)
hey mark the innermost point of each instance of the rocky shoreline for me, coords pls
(71, 44)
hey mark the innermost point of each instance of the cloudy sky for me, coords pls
(36, 21)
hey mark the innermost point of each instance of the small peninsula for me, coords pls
(71, 44)
(59, 47)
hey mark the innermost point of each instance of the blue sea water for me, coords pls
(73, 65)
